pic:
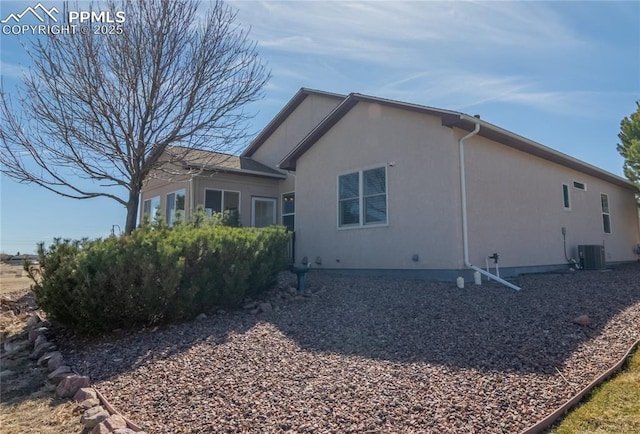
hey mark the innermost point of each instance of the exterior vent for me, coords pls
(591, 256)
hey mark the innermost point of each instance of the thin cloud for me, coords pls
(401, 32)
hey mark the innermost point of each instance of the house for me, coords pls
(383, 186)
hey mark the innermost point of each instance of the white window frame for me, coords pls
(566, 190)
(606, 213)
(584, 185)
(171, 218)
(254, 199)
(222, 192)
(361, 223)
(283, 214)
(153, 212)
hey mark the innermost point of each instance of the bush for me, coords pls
(156, 275)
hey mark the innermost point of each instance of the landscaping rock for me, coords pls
(44, 360)
(94, 416)
(201, 317)
(114, 422)
(57, 375)
(250, 305)
(582, 320)
(6, 373)
(39, 350)
(124, 431)
(101, 428)
(55, 361)
(15, 346)
(265, 307)
(33, 320)
(39, 331)
(70, 385)
(84, 394)
(86, 405)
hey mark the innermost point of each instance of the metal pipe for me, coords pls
(465, 234)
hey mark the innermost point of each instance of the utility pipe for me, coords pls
(465, 234)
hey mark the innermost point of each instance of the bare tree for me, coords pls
(104, 111)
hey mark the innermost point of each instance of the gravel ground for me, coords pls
(374, 355)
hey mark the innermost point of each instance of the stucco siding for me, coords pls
(422, 185)
(247, 186)
(161, 188)
(306, 116)
(516, 208)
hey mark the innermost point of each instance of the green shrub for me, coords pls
(156, 275)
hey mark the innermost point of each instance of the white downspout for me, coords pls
(465, 234)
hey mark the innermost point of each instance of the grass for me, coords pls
(613, 407)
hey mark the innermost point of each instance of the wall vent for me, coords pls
(591, 256)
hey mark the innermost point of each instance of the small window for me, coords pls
(289, 210)
(606, 217)
(151, 208)
(579, 185)
(565, 196)
(175, 206)
(362, 198)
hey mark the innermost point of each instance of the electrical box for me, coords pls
(591, 256)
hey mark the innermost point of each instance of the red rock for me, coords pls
(86, 405)
(85, 393)
(582, 320)
(61, 372)
(55, 361)
(70, 385)
(101, 428)
(114, 422)
(94, 416)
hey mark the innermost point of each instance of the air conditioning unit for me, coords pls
(591, 256)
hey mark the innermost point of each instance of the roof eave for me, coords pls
(239, 171)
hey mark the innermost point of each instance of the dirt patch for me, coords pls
(13, 278)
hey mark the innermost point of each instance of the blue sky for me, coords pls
(561, 73)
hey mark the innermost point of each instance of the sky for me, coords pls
(563, 74)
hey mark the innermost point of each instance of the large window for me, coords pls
(221, 200)
(175, 206)
(263, 212)
(606, 217)
(151, 207)
(362, 198)
(289, 210)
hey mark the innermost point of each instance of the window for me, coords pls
(175, 206)
(579, 185)
(288, 210)
(565, 196)
(221, 200)
(606, 217)
(264, 212)
(362, 198)
(151, 207)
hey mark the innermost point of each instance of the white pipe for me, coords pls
(465, 235)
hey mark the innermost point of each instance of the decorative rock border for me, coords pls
(98, 415)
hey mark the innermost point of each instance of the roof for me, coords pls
(293, 103)
(451, 119)
(221, 162)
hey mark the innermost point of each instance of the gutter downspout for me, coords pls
(465, 232)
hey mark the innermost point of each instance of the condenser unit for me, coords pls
(591, 256)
